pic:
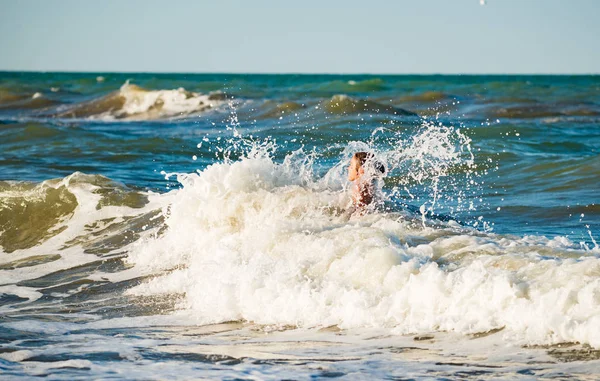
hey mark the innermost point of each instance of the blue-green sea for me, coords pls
(196, 226)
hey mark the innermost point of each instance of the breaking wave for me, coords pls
(270, 242)
(132, 102)
(343, 104)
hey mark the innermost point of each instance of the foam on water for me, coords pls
(271, 243)
(132, 102)
(263, 245)
(95, 221)
(99, 279)
(251, 240)
(139, 103)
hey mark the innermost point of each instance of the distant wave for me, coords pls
(426, 97)
(132, 102)
(343, 104)
(24, 101)
(274, 109)
(543, 111)
(342, 86)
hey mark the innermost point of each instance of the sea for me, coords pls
(198, 226)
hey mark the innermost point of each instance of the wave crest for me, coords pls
(32, 213)
(250, 241)
(132, 102)
(343, 104)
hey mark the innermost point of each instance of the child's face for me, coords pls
(355, 170)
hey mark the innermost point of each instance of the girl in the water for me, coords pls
(363, 171)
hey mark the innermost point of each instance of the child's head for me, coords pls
(362, 162)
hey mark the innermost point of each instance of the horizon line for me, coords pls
(294, 73)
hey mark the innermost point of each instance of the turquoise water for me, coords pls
(201, 211)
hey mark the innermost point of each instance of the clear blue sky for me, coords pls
(281, 36)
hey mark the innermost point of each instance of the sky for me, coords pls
(308, 36)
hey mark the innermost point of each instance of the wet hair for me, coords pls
(364, 157)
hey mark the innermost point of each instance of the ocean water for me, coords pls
(172, 226)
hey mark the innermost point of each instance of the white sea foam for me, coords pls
(139, 102)
(271, 243)
(71, 228)
(251, 240)
(132, 102)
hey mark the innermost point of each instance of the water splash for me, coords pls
(432, 165)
